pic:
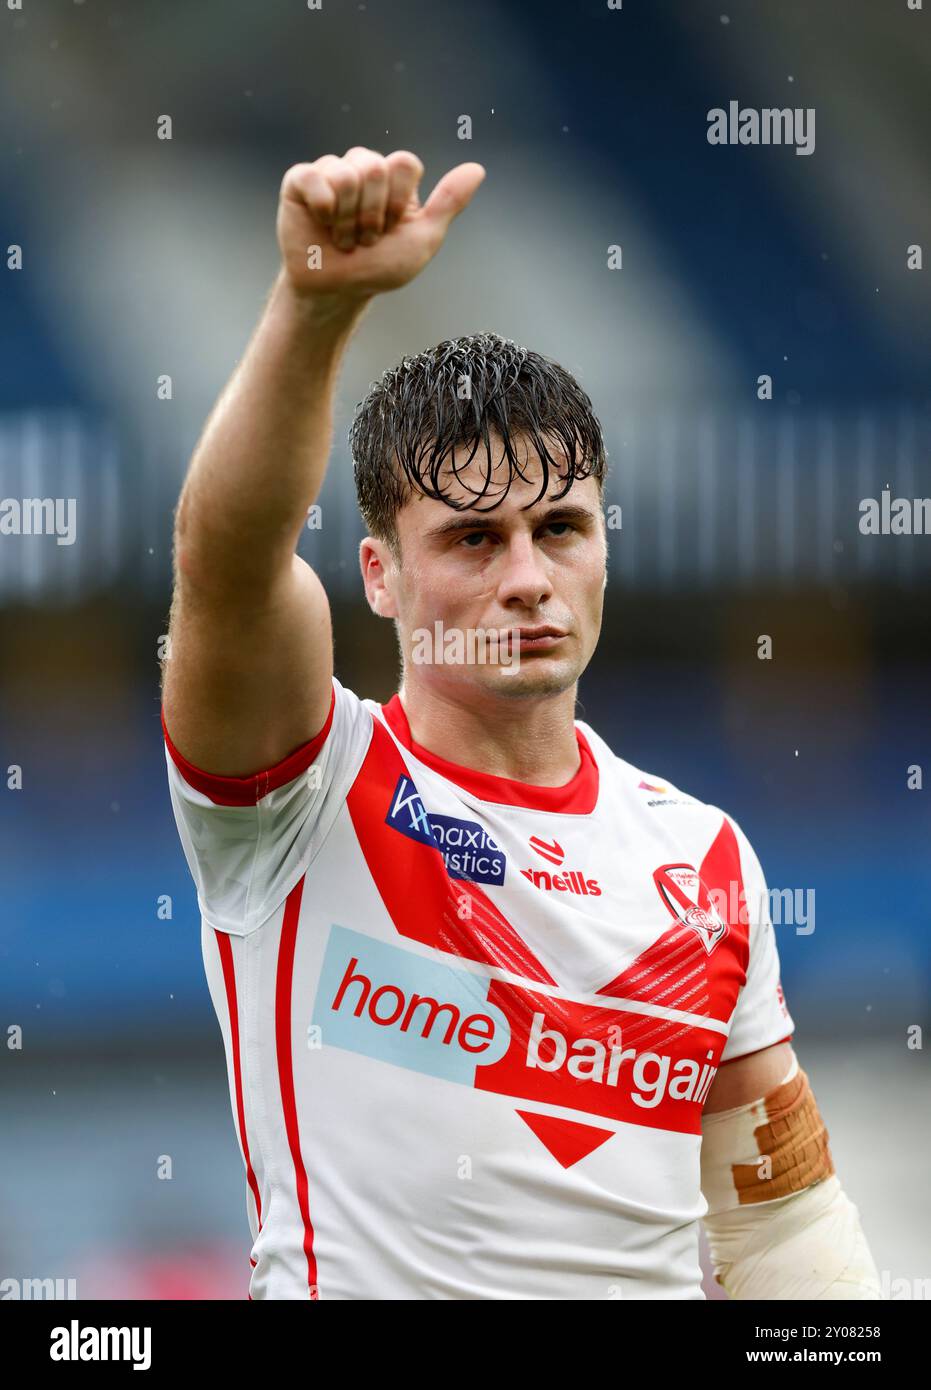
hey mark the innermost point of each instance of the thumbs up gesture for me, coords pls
(355, 226)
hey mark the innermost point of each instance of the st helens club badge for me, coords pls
(689, 902)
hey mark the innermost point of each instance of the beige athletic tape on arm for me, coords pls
(795, 1234)
(767, 1149)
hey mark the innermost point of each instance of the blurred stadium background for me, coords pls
(144, 257)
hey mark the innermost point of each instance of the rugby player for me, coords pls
(494, 1027)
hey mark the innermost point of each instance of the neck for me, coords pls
(528, 740)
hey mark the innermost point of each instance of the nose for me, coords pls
(524, 578)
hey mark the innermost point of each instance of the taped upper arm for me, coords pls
(768, 1146)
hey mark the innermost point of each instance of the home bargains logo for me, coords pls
(494, 1035)
(468, 850)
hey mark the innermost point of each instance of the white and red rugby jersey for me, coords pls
(470, 1023)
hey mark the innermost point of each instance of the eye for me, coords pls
(561, 529)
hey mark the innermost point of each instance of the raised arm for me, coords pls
(247, 678)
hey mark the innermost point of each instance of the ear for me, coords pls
(378, 573)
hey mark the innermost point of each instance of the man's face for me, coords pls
(485, 576)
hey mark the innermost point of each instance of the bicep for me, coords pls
(247, 682)
(749, 1078)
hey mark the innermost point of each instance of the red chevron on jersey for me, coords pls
(422, 901)
(675, 970)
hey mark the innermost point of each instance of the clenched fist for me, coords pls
(355, 227)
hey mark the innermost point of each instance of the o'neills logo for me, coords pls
(688, 900)
(567, 881)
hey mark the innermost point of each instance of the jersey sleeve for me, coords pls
(761, 1017)
(247, 840)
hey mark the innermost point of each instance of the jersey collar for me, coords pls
(575, 797)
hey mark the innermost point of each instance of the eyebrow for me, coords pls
(482, 521)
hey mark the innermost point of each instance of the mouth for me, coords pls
(531, 639)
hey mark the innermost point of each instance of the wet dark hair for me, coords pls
(415, 416)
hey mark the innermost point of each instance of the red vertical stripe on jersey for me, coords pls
(283, 983)
(225, 948)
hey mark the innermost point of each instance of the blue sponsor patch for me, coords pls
(468, 850)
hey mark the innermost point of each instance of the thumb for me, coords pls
(452, 194)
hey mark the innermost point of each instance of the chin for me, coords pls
(533, 677)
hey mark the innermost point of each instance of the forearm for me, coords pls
(261, 459)
(809, 1245)
(779, 1224)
